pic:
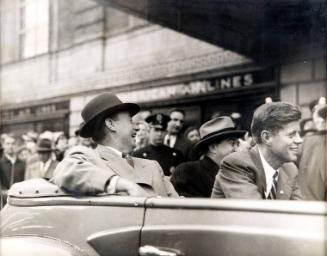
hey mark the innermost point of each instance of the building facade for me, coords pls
(58, 54)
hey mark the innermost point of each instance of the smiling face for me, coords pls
(285, 144)
(9, 146)
(176, 122)
(193, 136)
(125, 132)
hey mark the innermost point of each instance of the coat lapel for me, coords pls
(283, 188)
(139, 174)
(261, 176)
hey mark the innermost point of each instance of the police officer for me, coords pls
(167, 157)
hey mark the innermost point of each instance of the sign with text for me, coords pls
(201, 87)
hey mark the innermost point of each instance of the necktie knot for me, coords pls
(128, 158)
(273, 191)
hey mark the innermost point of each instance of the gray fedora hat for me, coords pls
(217, 129)
(103, 105)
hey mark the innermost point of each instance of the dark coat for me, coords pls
(241, 175)
(9, 173)
(196, 178)
(167, 157)
(184, 146)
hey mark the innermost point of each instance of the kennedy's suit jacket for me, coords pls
(87, 171)
(241, 175)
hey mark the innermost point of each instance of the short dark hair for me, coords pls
(177, 110)
(272, 117)
(100, 128)
(99, 132)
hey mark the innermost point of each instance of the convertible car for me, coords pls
(40, 219)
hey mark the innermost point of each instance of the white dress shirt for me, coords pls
(171, 139)
(269, 172)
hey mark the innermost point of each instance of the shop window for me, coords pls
(33, 28)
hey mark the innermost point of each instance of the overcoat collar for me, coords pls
(209, 164)
(139, 174)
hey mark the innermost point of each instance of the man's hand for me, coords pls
(129, 187)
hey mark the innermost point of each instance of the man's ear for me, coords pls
(212, 148)
(266, 137)
(110, 123)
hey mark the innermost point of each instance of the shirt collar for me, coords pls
(12, 159)
(269, 172)
(115, 151)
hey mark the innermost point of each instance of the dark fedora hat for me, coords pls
(44, 145)
(103, 105)
(217, 129)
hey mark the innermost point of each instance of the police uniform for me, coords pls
(167, 157)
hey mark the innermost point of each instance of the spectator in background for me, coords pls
(192, 134)
(266, 171)
(174, 137)
(307, 127)
(1, 149)
(30, 139)
(218, 139)
(313, 172)
(12, 169)
(23, 153)
(167, 157)
(142, 135)
(61, 145)
(46, 164)
(245, 143)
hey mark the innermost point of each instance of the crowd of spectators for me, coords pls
(33, 155)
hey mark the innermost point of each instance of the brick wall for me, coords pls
(303, 81)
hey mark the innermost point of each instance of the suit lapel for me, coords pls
(283, 187)
(261, 176)
(139, 174)
(144, 175)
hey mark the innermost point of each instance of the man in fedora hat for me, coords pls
(44, 167)
(167, 157)
(313, 167)
(267, 171)
(109, 168)
(218, 139)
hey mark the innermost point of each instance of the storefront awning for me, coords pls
(259, 29)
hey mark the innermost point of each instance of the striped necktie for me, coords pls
(129, 159)
(273, 192)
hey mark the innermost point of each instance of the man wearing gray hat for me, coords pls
(46, 163)
(109, 169)
(218, 139)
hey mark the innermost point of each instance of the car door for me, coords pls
(206, 227)
(38, 218)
